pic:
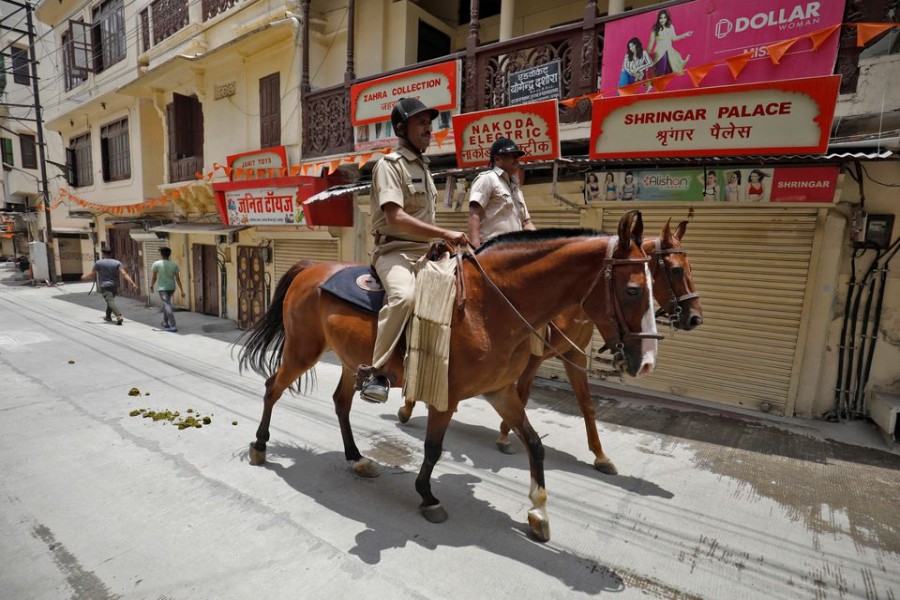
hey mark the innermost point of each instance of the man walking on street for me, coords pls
(496, 202)
(403, 216)
(167, 272)
(107, 270)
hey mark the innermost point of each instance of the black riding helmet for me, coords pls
(405, 108)
(505, 146)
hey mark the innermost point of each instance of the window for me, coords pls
(79, 171)
(270, 111)
(108, 34)
(73, 76)
(184, 120)
(115, 151)
(6, 146)
(21, 66)
(432, 43)
(29, 151)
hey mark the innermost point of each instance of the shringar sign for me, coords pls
(533, 127)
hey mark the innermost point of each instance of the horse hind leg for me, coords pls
(434, 440)
(343, 401)
(288, 372)
(406, 411)
(510, 408)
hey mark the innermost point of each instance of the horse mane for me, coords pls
(539, 235)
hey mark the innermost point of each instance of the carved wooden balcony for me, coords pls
(326, 122)
(161, 20)
(211, 8)
(185, 169)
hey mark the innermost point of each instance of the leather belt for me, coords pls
(386, 239)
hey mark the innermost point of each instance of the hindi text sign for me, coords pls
(779, 117)
(535, 83)
(436, 86)
(533, 127)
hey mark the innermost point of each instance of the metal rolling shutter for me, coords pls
(290, 252)
(750, 266)
(542, 218)
(151, 255)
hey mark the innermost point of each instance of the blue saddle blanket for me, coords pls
(356, 286)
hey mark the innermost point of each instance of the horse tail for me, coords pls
(264, 342)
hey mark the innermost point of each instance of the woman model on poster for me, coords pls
(733, 187)
(710, 183)
(629, 190)
(666, 58)
(591, 189)
(637, 61)
(755, 190)
(611, 190)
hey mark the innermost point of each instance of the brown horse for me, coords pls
(523, 281)
(570, 334)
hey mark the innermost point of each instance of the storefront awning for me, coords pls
(214, 228)
(339, 190)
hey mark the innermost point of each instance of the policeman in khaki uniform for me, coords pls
(403, 199)
(496, 203)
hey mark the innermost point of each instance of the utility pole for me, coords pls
(44, 192)
(42, 158)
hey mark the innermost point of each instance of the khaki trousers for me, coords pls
(396, 265)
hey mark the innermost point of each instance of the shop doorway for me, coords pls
(251, 284)
(128, 252)
(205, 279)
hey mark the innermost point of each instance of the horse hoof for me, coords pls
(506, 448)
(434, 513)
(366, 467)
(538, 526)
(257, 457)
(606, 466)
(404, 414)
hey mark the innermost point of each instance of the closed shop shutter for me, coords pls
(290, 252)
(750, 266)
(542, 218)
(151, 255)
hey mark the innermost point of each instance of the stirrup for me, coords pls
(376, 389)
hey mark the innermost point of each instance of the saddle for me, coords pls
(359, 285)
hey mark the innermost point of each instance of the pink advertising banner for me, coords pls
(689, 35)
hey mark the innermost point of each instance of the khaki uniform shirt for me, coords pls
(502, 200)
(403, 178)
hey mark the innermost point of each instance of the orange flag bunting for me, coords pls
(441, 136)
(866, 31)
(776, 51)
(295, 170)
(737, 63)
(570, 102)
(631, 89)
(818, 37)
(698, 74)
(662, 82)
(228, 171)
(363, 159)
(333, 166)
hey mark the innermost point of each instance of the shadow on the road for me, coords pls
(387, 506)
(487, 457)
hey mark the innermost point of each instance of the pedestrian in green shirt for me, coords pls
(167, 271)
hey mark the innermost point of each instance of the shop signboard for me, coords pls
(779, 117)
(535, 83)
(275, 201)
(533, 127)
(371, 102)
(266, 159)
(719, 184)
(708, 31)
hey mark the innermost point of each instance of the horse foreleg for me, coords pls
(406, 410)
(343, 401)
(578, 379)
(434, 444)
(511, 409)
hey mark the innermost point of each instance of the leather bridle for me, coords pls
(670, 314)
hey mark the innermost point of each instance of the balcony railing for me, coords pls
(211, 8)
(162, 19)
(185, 169)
(579, 48)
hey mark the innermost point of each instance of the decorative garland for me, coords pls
(736, 64)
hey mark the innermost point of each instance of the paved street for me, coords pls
(98, 504)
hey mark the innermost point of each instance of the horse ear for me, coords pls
(666, 235)
(680, 231)
(638, 232)
(626, 225)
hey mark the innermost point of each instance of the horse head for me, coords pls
(677, 296)
(619, 301)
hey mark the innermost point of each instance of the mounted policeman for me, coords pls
(403, 204)
(496, 202)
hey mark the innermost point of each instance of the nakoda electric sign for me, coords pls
(533, 127)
